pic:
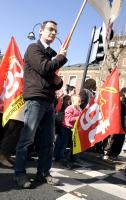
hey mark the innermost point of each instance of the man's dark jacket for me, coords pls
(39, 72)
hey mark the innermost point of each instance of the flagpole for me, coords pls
(74, 25)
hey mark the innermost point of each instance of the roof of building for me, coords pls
(79, 67)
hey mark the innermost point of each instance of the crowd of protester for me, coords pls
(68, 106)
(50, 114)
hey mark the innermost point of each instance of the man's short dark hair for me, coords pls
(90, 84)
(45, 22)
(122, 91)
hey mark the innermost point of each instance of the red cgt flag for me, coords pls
(100, 118)
(11, 82)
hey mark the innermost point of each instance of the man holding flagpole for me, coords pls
(40, 84)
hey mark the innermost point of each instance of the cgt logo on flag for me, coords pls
(92, 122)
(100, 118)
(11, 83)
(14, 76)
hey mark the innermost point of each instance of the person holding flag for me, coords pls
(40, 84)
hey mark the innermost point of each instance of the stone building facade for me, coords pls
(73, 75)
(116, 55)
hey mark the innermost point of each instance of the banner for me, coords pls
(11, 83)
(108, 9)
(100, 118)
(103, 7)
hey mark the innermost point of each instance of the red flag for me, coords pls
(11, 81)
(100, 118)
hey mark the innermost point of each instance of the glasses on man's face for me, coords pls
(50, 29)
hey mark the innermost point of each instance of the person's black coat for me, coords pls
(39, 72)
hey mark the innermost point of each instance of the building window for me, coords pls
(112, 44)
(72, 80)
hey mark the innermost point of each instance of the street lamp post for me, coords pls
(31, 34)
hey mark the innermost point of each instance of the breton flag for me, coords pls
(11, 83)
(100, 118)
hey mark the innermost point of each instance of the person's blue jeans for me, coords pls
(61, 143)
(40, 114)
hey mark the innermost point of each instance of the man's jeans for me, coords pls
(40, 114)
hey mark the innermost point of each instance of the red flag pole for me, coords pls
(67, 41)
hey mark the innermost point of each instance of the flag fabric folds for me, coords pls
(108, 9)
(11, 83)
(103, 7)
(101, 117)
(115, 9)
